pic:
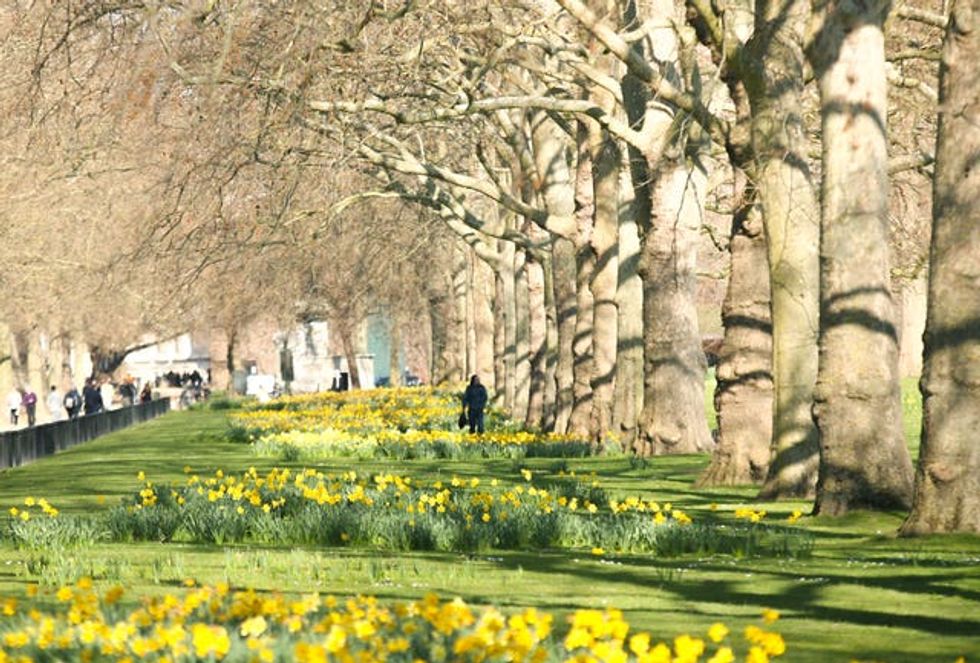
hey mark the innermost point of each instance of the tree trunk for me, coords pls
(522, 372)
(350, 353)
(743, 395)
(499, 397)
(563, 270)
(551, 345)
(947, 483)
(483, 323)
(635, 221)
(864, 462)
(45, 352)
(537, 347)
(469, 324)
(673, 418)
(20, 357)
(459, 332)
(628, 399)
(105, 361)
(438, 331)
(606, 160)
(230, 359)
(394, 352)
(775, 80)
(67, 371)
(508, 303)
(582, 366)
(550, 148)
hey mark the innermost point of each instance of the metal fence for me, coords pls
(26, 445)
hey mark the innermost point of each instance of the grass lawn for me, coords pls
(863, 594)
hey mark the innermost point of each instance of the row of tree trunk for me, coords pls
(595, 329)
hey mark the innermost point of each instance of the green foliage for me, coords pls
(64, 532)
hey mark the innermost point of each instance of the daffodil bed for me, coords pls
(216, 623)
(392, 512)
(390, 423)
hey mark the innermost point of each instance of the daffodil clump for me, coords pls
(758, 515)
(217, 624)
(37, 524)
(388, 423)
(391, 512)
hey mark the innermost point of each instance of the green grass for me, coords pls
(912, 413)
(863, 594)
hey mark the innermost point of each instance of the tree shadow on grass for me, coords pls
(803, 599)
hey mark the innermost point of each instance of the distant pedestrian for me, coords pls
(474, 401)
(73, 402)
(127, 391)
(92, 397)
(146, 395)
(108, 393)
(29, 401)
(54, 403)
(13, 404)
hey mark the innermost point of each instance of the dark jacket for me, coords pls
(93, 399)
(74, 398)
(475, 397)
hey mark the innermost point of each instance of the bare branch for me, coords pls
(898, 164)
(717, 128)
(898, 79)
(465, 107)
(922, 16)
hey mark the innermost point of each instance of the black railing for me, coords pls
(26, 445)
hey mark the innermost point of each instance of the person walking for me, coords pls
(13, 404)
(474, 401)
(127, 391)
(92, 397)
(146, 395)
(108, 391)
(54, 403)
(29, 401)
(73, 402)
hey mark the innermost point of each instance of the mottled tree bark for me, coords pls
(461, 351)
(469, 323)
(743, 395)
(582, 366)
(508, 301)
(864, 462)
(552, 350)
(606, 162)
(673, 418)
(350, 353)
(628, 399)
(232, 335)
(551, 163)
(947, 483)
(394, 352)
(774, 80)
(563, 269)
(537, 343)
(499, 396)
(483, 323)
(20, 357)
(522, 328)
(67, 370)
